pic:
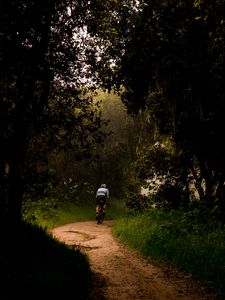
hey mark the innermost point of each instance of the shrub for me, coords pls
(137, 203)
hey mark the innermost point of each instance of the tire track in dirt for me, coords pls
(121, 273)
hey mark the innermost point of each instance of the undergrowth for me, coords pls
(193, 246)
(33, 264)
(47, 214)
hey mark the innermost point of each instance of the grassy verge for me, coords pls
(47, 216)
(66, 213)
(72, 212)
(170, 237)
(33, 264)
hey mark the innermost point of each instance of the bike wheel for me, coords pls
(100, 217)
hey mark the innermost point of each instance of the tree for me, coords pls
(41, 43)
(109, 161)
(67, 130)
(170, 62)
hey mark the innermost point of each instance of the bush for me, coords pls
(180, 239)
(137, 203)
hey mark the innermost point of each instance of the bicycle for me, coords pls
(101, 215)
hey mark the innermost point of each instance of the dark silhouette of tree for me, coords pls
(166, 55)
(41, 43)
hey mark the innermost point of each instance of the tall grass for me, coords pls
(193, 247)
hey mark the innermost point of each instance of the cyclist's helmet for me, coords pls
(103, 185)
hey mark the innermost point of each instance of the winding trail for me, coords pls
(121, 273)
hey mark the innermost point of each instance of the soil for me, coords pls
(120, 273)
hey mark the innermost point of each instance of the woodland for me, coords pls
(164, 59)
(129, 93)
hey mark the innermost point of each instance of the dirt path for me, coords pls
(121, 273)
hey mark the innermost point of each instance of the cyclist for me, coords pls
(102, 198)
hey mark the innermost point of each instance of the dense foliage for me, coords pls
(44, 60)
(165, 58)
(171, 65)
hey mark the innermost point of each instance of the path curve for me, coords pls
(121, 273)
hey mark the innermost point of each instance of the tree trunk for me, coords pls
(15, 194)
(3, 191)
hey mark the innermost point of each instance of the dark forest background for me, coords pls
(163, 59)
(127, 93)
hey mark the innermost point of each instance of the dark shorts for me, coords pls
(100, 200)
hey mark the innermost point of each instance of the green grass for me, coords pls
(49, 217)
(170, 237)
(74, 213)
(67, 213)
(116, 209)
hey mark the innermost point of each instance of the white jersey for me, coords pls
(102, 192)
